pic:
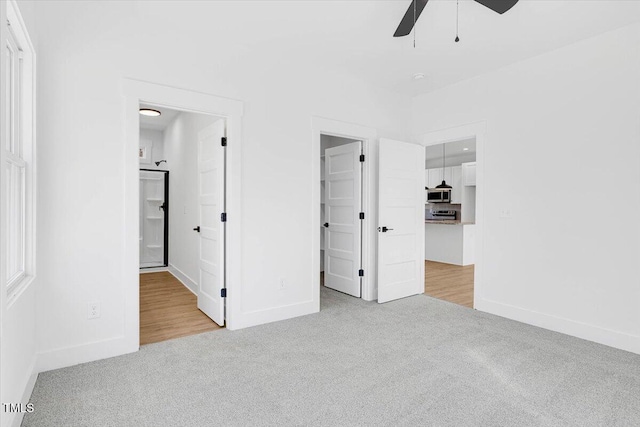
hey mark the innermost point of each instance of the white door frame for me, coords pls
(368, 136)
(475, 130)
(136, 91)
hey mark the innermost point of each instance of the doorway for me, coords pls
(135, 93)
(450, 224)
(326, 129)
(182, 243)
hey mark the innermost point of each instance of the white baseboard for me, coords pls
(611, 338)
(89, 352)
(153, 270)
(274, 314)
(83, 353)
(15, 419)
(187, 281)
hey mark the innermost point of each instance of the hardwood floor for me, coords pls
(449, 282)
(169, 310)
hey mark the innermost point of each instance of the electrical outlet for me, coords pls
(282, 284)
(93, 310)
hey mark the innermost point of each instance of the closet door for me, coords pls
(343, 196)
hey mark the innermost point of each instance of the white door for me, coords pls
(343, 180)
(401, 220)
(211, 182)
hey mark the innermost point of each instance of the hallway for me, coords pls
(169, 310)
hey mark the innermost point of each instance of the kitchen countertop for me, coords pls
(446, 222)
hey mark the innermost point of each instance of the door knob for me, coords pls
(326, 225)
(197, 229)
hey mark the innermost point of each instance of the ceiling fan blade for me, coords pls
(406, 25)
(500, 6)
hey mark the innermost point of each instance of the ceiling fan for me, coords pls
(416, 7)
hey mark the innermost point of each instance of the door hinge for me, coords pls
(223, 141)
(360, 273)
(223, 217)
(362, 157)
(361, 215)
(223, 292)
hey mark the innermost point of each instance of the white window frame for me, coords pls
(15, 35)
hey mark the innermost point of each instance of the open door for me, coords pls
(401, 220)
(343, 184)
(211, 204)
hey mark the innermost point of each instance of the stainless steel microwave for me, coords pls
(439, 195)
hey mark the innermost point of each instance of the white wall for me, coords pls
(562, 130)
(157, 152)
(181, 149)
(83, 62)
(18, 320)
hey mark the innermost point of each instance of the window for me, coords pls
(18, 155)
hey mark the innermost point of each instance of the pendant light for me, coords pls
(444, 184)
(457, 20)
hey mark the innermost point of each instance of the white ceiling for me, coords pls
(489, 41)
(356, 36)
(157, 123)
(453, 150)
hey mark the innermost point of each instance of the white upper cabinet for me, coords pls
(447, 176)
(435, 177)
(456, 183)
(469, 174)
(453, 177)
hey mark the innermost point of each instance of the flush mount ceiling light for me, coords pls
(149, 112)
(465, 149)
(418, 76)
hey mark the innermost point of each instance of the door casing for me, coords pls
(136, 92)
(475, 130)
(368, 136)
